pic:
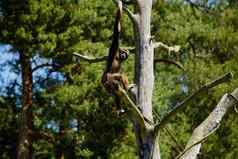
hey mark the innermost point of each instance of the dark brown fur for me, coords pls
(116, 56)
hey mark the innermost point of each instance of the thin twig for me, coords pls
(167, 61)
(44, 65)
(170, 133)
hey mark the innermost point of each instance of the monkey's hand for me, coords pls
(110, 79)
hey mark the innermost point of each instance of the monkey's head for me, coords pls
(123, 55)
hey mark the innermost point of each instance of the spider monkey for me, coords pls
(116, 56)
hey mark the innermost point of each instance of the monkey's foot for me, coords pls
(121, 112)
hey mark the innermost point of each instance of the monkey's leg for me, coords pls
(120, 110)
(115, 76)
(122, 78)
(125, 81)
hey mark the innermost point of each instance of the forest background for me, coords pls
(72, 115)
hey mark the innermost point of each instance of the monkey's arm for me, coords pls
(109, 79)
(115, 38)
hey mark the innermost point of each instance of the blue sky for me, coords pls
(7, 75)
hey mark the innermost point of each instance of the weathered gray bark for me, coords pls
(25, 141)
(209, 125)
(147, 142)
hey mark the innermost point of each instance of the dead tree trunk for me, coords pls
(147, 144)
(25, 142)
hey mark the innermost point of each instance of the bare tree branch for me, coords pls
(204, 88)
(132, 109)
(179, 148)
(44, 65)
(175, 48)
(209, 125)
(91, 59)
(177, 64)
